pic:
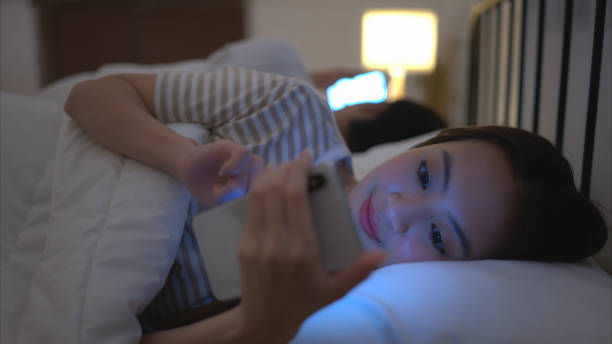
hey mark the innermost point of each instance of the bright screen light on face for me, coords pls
(364, 88)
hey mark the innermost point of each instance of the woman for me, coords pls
(468, 193)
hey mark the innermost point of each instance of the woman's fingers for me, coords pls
(239, 168)
(275, 207)
(232, 186)
(255, 220)
(281, 276)
(280, 195)
(255, 170)
(238, 161)
(298, 206)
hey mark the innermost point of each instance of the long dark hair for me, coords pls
(553, 221)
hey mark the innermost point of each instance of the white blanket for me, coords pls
(96, 247)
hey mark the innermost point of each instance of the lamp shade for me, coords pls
(399, 39)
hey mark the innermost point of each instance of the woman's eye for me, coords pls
(423, 175)
(436, 239)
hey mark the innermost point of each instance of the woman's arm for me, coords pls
(117, 111)
(247, 107)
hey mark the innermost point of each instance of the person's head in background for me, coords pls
(477, 193)
(397, 121)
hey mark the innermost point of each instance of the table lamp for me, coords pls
(399, 41)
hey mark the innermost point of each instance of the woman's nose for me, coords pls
(399, 212)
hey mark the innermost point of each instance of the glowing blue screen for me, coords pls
(364, 88)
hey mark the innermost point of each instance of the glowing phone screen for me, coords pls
(368, 87)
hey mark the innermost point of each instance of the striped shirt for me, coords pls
(274, 116)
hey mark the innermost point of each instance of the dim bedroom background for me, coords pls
(71, 273)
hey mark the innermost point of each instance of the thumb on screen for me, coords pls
(237, 162)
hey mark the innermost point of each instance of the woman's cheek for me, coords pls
(406, 249)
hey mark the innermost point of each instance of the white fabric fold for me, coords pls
(97, 247)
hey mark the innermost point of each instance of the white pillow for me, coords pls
(28, 132)
(263, 54)
(470, 302)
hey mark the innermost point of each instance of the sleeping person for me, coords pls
(468, 193)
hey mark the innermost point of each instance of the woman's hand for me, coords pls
(218, 172)
(283, 281)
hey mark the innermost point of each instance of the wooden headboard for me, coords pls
(81, 35)
(546, 66)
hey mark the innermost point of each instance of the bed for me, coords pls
(65, 256)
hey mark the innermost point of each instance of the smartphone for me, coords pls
(218, 232)
(368, 87)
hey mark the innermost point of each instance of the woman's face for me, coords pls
(451, 200)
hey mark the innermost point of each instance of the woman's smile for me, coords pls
(367, 220)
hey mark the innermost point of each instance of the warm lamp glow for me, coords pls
(399, 41)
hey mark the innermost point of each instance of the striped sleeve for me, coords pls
(274, 116)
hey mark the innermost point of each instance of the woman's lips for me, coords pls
(366, 220)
